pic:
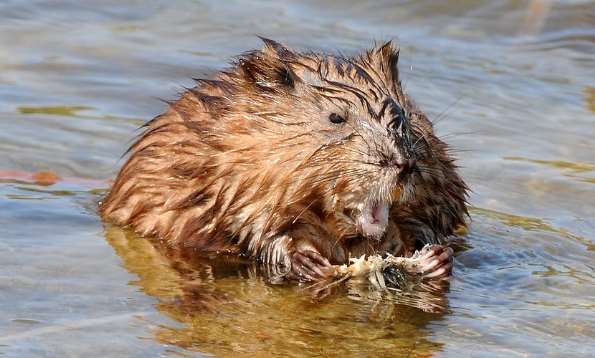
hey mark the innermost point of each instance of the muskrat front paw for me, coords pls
(309, 265)
(436, 262)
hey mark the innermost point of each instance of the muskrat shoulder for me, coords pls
(297, 160)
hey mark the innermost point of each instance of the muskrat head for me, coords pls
(373, 136)
(330, 133)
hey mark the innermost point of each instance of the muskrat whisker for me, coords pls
(454, 134)
(439, 117)
(328, 177)
(361, 136)
(414, 146)
(295, 219)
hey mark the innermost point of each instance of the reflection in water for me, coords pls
(589, 92)
(75, 112)
(537, 14)
(66, 111)
(581, 172)
(558, 164)
(532, 224)
(229, 306)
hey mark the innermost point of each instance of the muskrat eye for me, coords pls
(335, 118)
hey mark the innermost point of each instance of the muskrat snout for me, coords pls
(403, 166)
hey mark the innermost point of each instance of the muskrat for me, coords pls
(298, 161)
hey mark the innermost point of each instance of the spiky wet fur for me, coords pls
(247, 163)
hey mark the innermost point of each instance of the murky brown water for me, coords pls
(515, 82)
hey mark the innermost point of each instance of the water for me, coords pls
(513, 81)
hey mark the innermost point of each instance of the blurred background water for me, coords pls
(512, 81)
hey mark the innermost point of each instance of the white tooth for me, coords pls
(373, 221)
(383, 215)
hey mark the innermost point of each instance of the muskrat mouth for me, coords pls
(373, 218)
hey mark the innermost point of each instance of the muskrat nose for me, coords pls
(404, 165)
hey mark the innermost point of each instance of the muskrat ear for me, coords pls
(385, 58)
(276, 49)
(269, 68)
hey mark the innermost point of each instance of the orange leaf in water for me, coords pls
(45, 178)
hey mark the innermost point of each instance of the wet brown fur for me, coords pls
(247, 163)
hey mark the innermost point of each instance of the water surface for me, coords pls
(511, 84)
